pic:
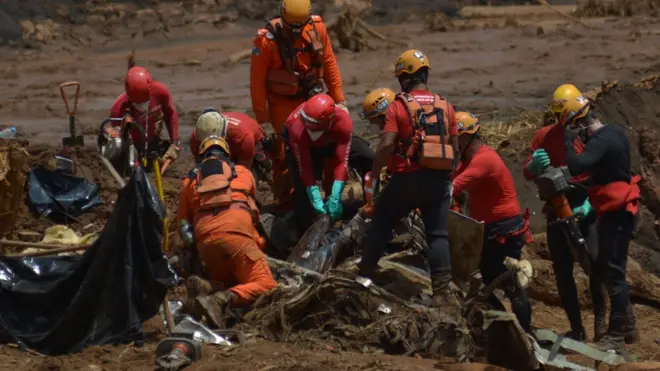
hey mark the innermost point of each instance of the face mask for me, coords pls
(141, 107)
(315, 135)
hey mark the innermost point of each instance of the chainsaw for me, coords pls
(554, 184)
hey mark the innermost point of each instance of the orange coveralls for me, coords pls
(275, 108)
(226, 242)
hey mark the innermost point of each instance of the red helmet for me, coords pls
(138, 84)
(318, 112)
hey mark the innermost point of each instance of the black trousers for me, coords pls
(615, 230)
(492, 265)
(361, 158)
(426, 190)
(563, 263)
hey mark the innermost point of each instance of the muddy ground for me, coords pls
(496, 62)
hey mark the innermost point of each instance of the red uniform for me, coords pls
(243, 134)
(489, 185)
(161, 109)
(397, 120)
(339, 135)
(551, 139)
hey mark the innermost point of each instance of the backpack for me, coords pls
(428, 145)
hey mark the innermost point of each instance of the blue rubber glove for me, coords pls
(540, 161)
(314, 194)
(583, 210)
(334, 205)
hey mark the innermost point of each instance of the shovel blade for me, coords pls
(77, 141)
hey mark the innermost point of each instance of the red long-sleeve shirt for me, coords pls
(339, 135)
(551, 139)
(489, 185)
(161, 107)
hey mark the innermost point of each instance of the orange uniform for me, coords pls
(227, 239)
(282, 74)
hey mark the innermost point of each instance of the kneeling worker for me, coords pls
(317, 131)
(488, 182)
(221, 201)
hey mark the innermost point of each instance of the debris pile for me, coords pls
(351, 314)
(620, 8)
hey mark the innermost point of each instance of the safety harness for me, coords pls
(214, 178)
(286, 80)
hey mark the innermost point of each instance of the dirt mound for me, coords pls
(346, 314)
(621, 8)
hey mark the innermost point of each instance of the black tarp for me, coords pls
(61, 305)
(59, 195)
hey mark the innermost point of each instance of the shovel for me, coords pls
(73, 140)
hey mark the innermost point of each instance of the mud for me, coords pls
(501, 63)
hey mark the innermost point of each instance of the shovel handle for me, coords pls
(63, 87)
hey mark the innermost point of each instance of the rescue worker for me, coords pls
(219, 199)
(321, 145)
(150, 105)
(485, 178)
(374, 108)
(547, 149)
(291, 58)
(246, 139)
(614, 198)
(418, 119)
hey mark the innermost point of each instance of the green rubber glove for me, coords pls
(540, 161)
(334, 205)
(583, 210)
(314, 194)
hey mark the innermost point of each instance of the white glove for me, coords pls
(343, 106)
(523, 270)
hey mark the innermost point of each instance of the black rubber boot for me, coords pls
(629, 328)
(600, 329)
(443, 298)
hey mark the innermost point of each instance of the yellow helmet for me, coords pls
(569, 104)
(211, 122)
(467, 123)
(376, 103)
(562, 95)
(296, 13)
(410, 62)
(213, 141)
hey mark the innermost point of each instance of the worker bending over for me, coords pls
(291, 58)
(321, 145)
(615, 197)
(150, 106)
(547, 149)
(220, 201)
(489, 185)
(418, 144)
(246, 139)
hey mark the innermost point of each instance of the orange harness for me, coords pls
(287, 81)
(215, 191)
